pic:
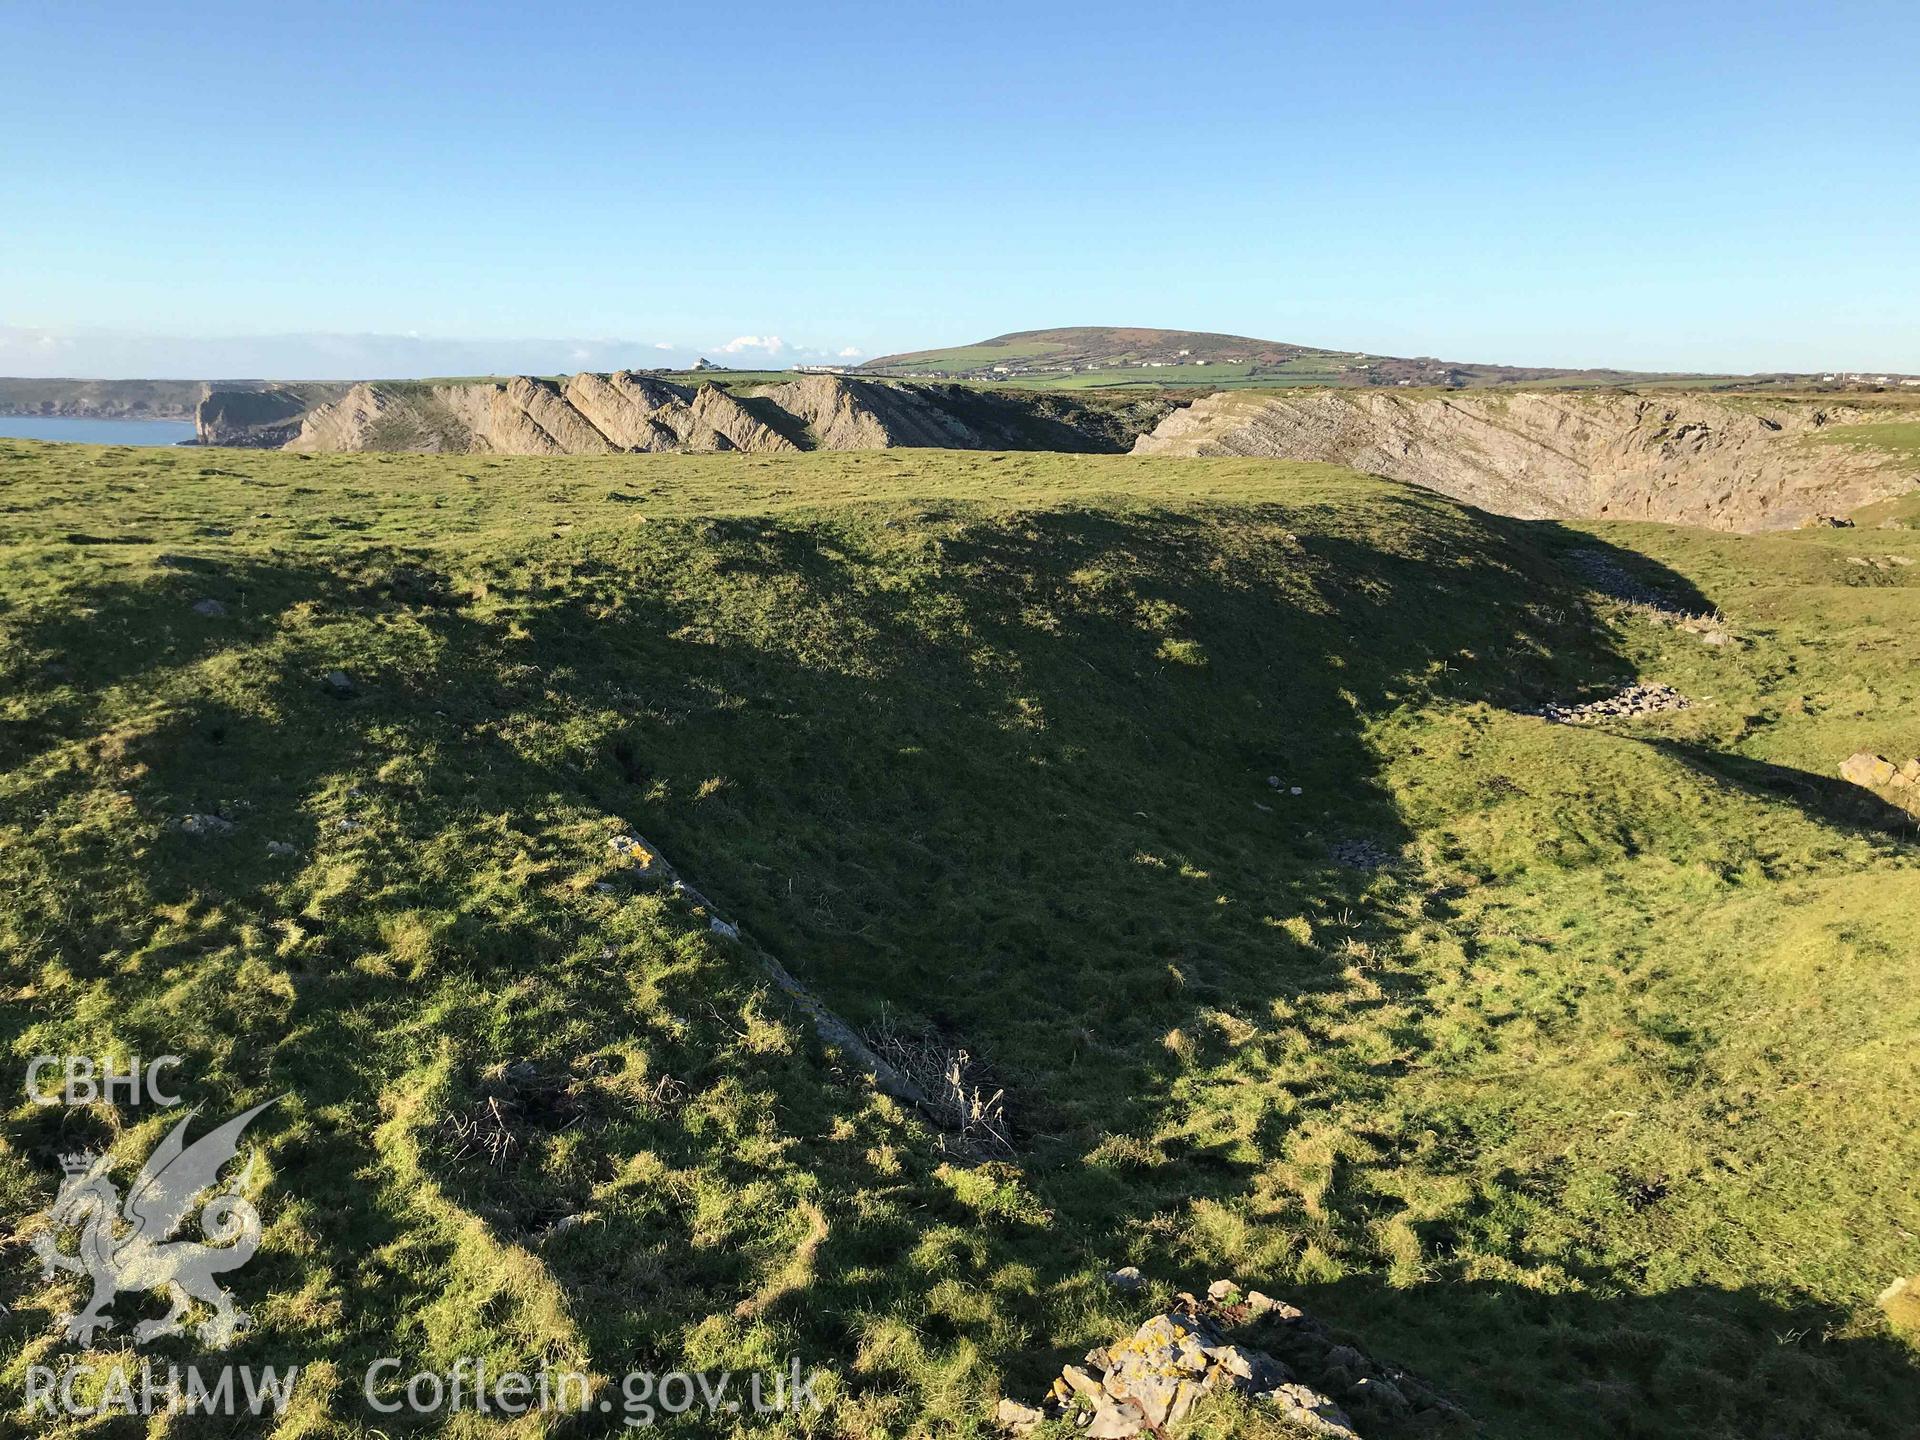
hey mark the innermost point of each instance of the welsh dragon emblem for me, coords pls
(140, 1256)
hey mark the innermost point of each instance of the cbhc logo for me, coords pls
(84, 1082)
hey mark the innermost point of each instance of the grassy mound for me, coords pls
(1195, 800)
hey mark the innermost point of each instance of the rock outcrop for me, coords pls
(1876, 772)
(845, 414)
(631, 411)
(589, 415)
(1624, 704)
(1155, 1377)
(1731, 464)
(264, 417)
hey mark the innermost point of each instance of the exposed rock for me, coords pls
(1362, 854)
(206, 827)
(529, 417)
(1018, 1418)
(210, 608)
(1601, 571)
(634, 411)
(280, 849)
(260, 417)
(626, 408)
(338, 682)
(351, 423)
(645, 862)
(1154, 1378)
(1866, 768)
(848, 414)
(1381, 1395)
(1900, 1302)
(720, 422)
(1127, 1278)
(1634, 700)
(1689, 459)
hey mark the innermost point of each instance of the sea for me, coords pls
(83, 430)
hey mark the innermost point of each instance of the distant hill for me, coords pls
(1079, 346)
(1100, 355)
(108, 399)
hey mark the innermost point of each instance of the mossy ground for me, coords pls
(1596, 1108)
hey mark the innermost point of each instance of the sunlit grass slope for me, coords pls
(1595, 1105)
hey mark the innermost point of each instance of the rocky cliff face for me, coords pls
(1733, 462)
(1736, 463)
(589, 415)
(263, 417)
(844, 414)
(629, 411)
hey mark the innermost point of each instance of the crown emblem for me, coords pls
(78, 1162)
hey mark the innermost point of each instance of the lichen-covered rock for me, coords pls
(643, 860)
(1154, 1377)
(1866, 768)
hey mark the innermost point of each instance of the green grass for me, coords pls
(970, 357)
(1896, 437)
(1596, 1109)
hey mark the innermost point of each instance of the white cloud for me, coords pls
(770, 344)
(663, 345)
(850, 352)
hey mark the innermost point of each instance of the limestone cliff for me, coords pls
(589, 415)
(1732, 463)
(631, 411)
(845, 414)
(262, 416)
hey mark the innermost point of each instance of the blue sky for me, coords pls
(348, 189)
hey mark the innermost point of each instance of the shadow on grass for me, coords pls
(1695, 1361)
(1827, 799)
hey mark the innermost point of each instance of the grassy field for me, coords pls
(1587, 1094)
(1902, 437)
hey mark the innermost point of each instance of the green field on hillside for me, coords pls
(1199, 802)
(1901, 437)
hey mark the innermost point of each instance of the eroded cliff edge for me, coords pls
(1727, 462)
(591, 414)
